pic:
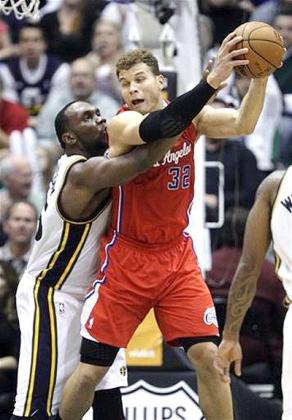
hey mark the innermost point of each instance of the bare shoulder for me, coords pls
(123, 132)
(270, 185)
(80, 172)
(205, 110)
(120, 121)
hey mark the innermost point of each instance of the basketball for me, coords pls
(266, 49)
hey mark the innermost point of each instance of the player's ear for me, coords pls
(161, 81)
(69, 138)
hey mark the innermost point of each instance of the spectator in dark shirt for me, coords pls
(241, 173)
(240, 169)
(283, 23)
(9, 339)
(226, 15)
(69, 29)
(32, 75)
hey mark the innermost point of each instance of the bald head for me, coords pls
(82, 79)
(16, 174)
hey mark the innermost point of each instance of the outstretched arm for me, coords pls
(242, 291)
(87, 179)
(102, 172)
(227, 122)
(132, 129)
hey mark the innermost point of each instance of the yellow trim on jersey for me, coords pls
(57, 253)
(72, 222)
(53, 372)
(34, 353)
(60, 282)
(277, 262)
(73, 258)
(64, 240)
(276, 200)
(73, 160)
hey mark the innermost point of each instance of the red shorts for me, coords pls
(131, 280)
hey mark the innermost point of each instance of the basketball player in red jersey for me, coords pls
(146, 259)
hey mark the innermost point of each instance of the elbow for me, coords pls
(249, 130)
(245, 129)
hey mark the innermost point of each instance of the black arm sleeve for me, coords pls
(177, 116)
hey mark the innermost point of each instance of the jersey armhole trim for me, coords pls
(100, 208)
(278, 191)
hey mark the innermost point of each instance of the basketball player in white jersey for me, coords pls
(270, 219)
(64, 256)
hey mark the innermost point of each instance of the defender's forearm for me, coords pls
(241, 294)
(147, 155)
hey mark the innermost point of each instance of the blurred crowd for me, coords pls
(69, 53)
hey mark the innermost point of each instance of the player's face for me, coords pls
(141, 89)
(283, 24)
(89, 127)
(32, 43)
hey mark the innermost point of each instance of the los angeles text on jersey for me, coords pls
(287, 203)
(174, 157)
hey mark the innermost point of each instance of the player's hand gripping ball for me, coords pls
(265, 49)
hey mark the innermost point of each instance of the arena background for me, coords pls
(162, 383)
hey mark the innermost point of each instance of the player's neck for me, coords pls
(79, 152)
(160, 105)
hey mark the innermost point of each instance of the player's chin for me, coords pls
(145, 110)
(141, 107)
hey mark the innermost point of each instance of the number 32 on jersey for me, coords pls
(180, 177)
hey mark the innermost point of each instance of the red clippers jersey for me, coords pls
(154, 207)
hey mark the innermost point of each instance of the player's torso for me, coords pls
(281, 226)
(64, 254)
(153, 208)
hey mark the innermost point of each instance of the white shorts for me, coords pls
(50, 344)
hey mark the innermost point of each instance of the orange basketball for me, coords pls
(265, 46)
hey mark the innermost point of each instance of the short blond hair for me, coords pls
(140, 55)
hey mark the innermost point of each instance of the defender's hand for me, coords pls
(229, 351)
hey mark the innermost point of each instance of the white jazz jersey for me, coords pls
(281, 226)
(50, 297)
